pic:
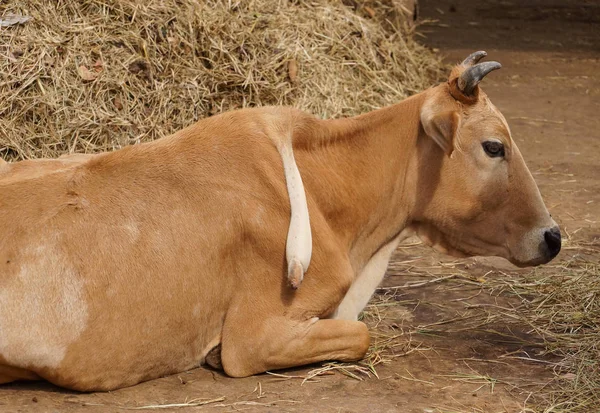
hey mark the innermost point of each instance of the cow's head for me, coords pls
(476, 195)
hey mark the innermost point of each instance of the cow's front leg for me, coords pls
(278, 342)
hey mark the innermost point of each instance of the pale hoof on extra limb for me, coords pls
(213, 358)
(299, 240)
(295, 274)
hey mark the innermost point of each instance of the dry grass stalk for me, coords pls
(558, 304)
(562, 305)
(170, 406)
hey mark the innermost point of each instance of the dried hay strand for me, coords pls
(554, 309)
(562, 305)
(557, 305)
(95, 75)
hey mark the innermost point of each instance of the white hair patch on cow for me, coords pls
(299, 239)
(42, 309)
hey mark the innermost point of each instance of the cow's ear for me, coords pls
(442, 127)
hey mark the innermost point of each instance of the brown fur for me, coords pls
(179, 244)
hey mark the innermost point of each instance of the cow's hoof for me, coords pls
(213, 358)
(295, 275)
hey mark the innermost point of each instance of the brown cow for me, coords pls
(130, 265)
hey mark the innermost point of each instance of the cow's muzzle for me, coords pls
(536, 247)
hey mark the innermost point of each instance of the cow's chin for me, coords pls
(527, 250)
(537, 257)
(451, 244)
(447, 249)
(530, 263)
(465, 251)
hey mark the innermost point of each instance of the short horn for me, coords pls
(474, 58)
(471, 77)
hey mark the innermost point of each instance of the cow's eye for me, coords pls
(493, 149)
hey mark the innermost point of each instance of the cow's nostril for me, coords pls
(552, 238)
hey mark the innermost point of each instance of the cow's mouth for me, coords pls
(538, 247)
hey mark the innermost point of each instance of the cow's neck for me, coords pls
(362, 172)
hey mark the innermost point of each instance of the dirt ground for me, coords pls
(437, 355)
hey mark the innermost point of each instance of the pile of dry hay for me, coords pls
(93, 75)
(561, 304)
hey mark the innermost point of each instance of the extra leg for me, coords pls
(299, 239)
